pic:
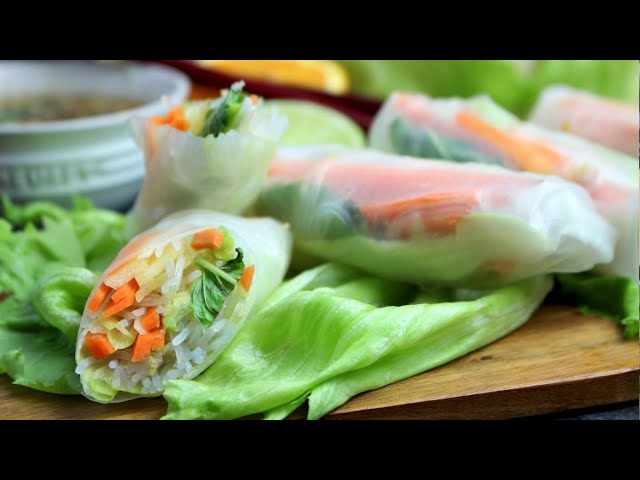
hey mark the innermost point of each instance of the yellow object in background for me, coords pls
(323, 75)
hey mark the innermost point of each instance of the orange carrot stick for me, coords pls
(98, 297)
(180, 124)
(175, 118)
(209, 238)
(440, 213)
(121, 299)
(125, 291)
(531, 156)
(151, 319)
(247, 277)
(144, 344)
(98, 344)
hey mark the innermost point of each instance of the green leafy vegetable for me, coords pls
(334, 217)
(515, 84)
(221, 117)
(332, 332)
(426, 143)
(610, 296)
(49, 261)
(214, 286)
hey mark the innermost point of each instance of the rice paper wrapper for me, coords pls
(477, 130)
(265, 243)
(184, 171)
(433, 222)
(598, 119)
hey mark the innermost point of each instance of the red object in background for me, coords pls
(360, 109)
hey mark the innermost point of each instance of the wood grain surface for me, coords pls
(559, 360)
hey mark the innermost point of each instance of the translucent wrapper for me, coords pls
(431, 221)
(168, 277)
(601, 120)
(478, 130)
(223, 172)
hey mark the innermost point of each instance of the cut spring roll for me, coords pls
(609, 122)
(431, 221)
(478, 130)
(174, 298)
(210, 154)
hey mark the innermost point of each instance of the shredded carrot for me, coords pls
(98, 344)
(144, 344)
(113, 308)
(174, 118)
(175, 112)
(209, 238)
(529, 155)
(440, 213)
(181, 124)
(247, 277)
(254, 99)
(121, 299)
(98, 297)
(125, 291)
(150, 319)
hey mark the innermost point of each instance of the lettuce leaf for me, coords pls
(610, 296)
(515, 84)
(332, 332)
(49, 261)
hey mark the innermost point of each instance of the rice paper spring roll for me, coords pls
(602, 120)
(478, 130)
(431, 221)
(174, 298)
(210, 154)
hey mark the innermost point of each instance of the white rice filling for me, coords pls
(186, 349)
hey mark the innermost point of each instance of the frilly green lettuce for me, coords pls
(46, 275)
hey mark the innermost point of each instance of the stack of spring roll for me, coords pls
(178, 292)
(479, 131)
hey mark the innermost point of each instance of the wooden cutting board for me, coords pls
(559, 360)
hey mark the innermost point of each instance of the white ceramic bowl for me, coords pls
(94, 156)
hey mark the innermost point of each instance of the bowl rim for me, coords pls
(179, 93)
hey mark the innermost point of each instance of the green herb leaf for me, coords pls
(211, 290)
(334, 217)
(221, 118)
(235, 267)
(198, 304)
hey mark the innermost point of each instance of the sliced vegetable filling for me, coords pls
(162, 299)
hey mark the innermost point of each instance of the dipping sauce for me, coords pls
(45, 108)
